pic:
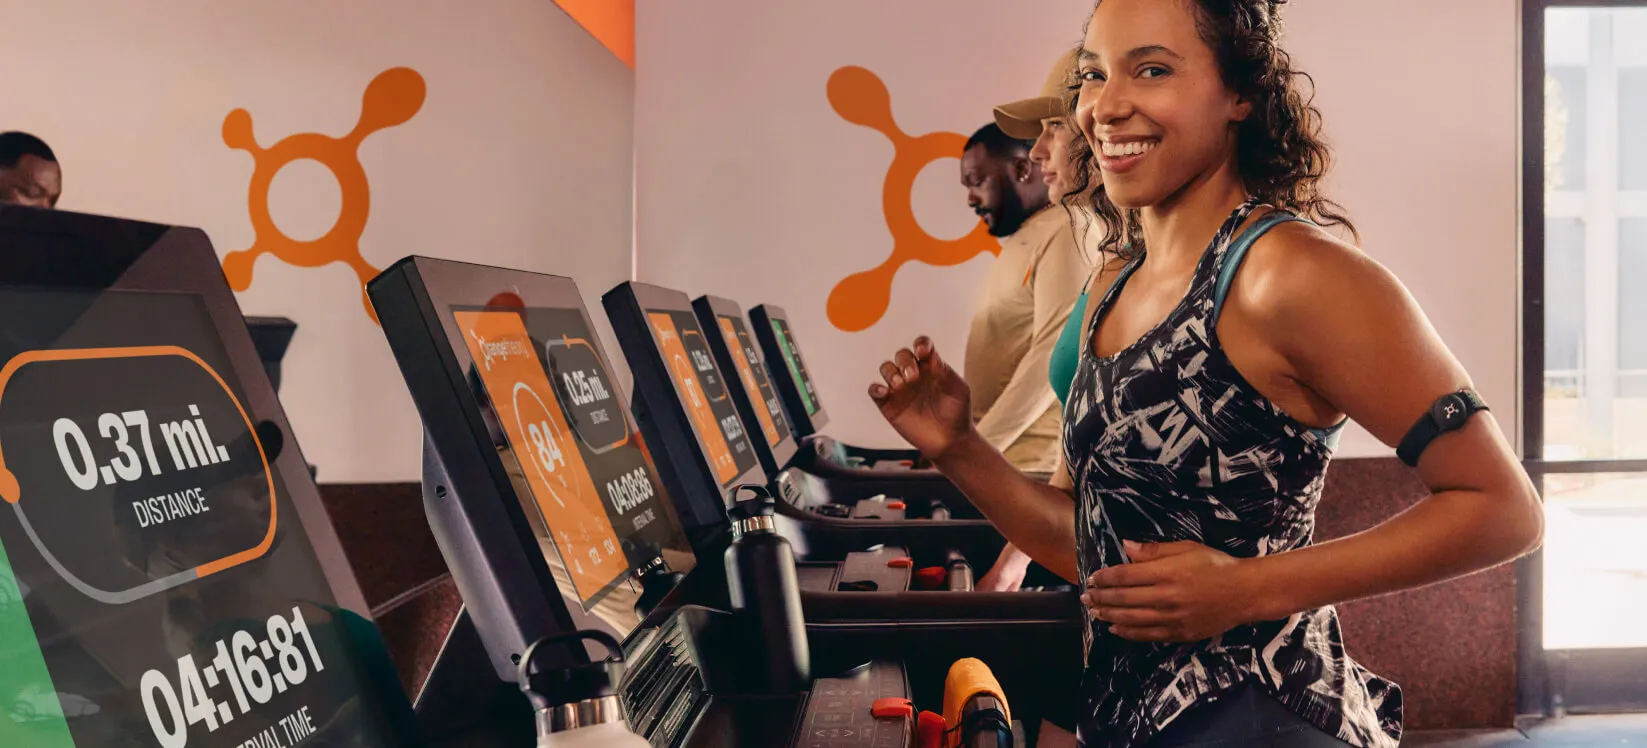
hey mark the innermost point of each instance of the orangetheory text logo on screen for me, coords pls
(859, 300)
(497, 349)
(392, 98)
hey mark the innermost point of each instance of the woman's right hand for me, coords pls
(926, 402)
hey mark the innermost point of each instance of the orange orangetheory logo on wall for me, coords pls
(392, 98)
(859, 300)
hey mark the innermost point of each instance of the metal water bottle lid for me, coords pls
(581, 695)
(753, 514)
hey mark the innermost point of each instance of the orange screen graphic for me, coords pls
(747, 374)
(680, 368)
(543, 445)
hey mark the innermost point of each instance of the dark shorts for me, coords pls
(1245, 717)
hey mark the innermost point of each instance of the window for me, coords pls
(1584, 595)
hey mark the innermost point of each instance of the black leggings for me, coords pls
(1245, 717)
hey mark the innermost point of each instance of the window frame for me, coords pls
(1555, 682)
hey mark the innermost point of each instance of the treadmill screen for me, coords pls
(583, 470)
(157, 587)
(797, 367)
(691, 366)
(767, 408)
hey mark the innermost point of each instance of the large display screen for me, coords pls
(581, 471)
(156, 585)
(753, 375)
(698, 382)
(797, 367)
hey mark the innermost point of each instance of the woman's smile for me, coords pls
(1120, 154)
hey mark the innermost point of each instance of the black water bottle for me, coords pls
(766, 594)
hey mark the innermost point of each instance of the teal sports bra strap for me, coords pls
(1226, 275)
(1237, 252)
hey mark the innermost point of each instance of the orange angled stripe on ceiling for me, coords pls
(611, 22)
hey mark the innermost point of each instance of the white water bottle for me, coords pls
(578, 706)
(609, 735)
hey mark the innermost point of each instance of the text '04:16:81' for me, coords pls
(242, 664)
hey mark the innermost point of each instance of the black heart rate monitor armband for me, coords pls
(1448, 413)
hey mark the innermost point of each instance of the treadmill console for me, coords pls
(683, 399)
(168, 576)
(800, 397)
(541, 492)
(755, 396)
(546, 502)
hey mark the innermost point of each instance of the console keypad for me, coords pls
(872, 566)
(838, 711)
(877, 508)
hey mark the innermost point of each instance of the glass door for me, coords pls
(1584, 321)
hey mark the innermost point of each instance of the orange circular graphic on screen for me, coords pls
(544, 453)
(859, 300)
(392, 98)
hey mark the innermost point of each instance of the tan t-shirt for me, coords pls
(1027, 296)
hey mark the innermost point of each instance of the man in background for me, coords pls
(1028, 293)
(1027, 296)
(29, 174)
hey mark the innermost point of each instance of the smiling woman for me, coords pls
(1278, 146)
(1219, 368)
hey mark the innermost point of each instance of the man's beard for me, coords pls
(1009, 215)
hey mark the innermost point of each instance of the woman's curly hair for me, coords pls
(1280, 154)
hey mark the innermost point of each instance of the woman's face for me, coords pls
(1053, 152)
(1152, 102)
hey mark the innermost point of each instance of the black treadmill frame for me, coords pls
(475, 514)
(801, 423)
(773, 458)
(92, 253)
(699, 496)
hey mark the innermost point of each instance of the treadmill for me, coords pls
(850, 567)
(835, 461)
(871, 494)
(168, 574)
(554, 516)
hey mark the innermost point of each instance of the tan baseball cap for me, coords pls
(1022, 119)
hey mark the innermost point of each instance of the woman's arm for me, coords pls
(928, 404)
(1007, 574)
(1355, 336)
(1038, 518)
(1340, 331)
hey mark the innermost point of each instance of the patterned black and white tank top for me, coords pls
(1166, 441)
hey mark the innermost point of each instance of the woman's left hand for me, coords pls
(1172, 592)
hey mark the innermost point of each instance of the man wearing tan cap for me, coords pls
(1027, 296)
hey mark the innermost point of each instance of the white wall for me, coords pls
(1420, 103)
(751, 187)
(520, 157)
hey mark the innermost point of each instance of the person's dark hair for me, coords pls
(997, 143)
(1280, 153)
(15, 145)
(1077, 203)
